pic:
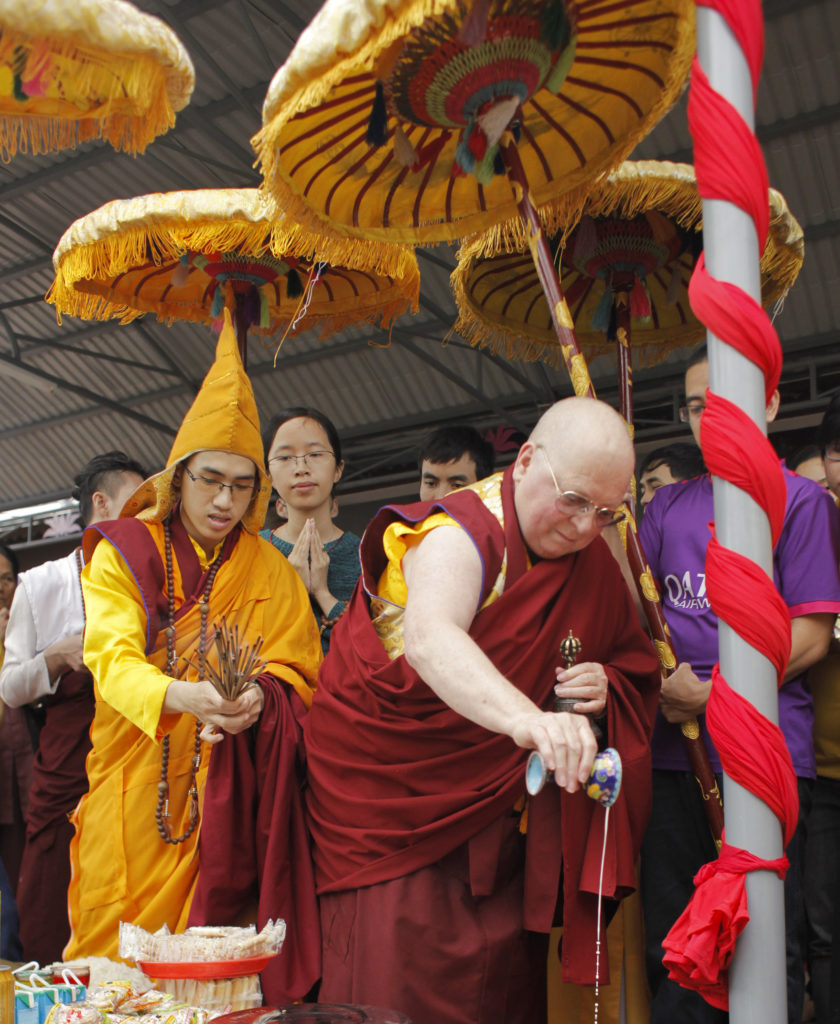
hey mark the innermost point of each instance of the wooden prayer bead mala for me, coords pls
(162, 809)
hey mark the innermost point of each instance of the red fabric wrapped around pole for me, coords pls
(729, 167)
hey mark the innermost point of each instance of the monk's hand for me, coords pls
(202, 700)
(683, 695)
(299, 555)
(319, 564)
(587, 682)
(564, 740)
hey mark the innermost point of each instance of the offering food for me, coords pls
(214, 967)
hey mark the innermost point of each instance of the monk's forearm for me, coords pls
(450, 662)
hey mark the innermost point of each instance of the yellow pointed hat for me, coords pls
(223, 417)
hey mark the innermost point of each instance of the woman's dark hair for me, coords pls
(11, 558)
(297, 412)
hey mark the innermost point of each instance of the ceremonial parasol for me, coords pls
(387, 121)
(186, 255)
(625, 269)
(73, 70)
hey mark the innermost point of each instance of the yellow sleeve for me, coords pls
(115, 638)
(396, 540)
(291, 639)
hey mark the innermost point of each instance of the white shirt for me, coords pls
(47, 607)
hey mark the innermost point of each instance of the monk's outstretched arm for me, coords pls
(443, 574)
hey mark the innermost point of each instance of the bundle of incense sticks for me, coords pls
(239, 663)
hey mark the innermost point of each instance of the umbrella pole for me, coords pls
(757, 975)
(582, 383)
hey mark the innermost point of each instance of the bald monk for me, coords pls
(436, 687)
(156, 582)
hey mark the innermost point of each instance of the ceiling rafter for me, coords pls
(77, 389)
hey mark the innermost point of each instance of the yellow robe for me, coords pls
(121, 868)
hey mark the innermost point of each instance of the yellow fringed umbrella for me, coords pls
(625, 266)
(187, 255)
(639, 234)
(386, 122)
(73, 70)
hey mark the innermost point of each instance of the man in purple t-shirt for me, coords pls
(675, 534)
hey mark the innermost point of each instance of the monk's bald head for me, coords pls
(584, 430)
(580, 445)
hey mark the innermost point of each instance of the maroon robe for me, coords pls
(399, 781)
(58, 783)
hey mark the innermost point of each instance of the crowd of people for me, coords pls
(367, 784)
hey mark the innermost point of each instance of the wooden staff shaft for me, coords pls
(625, 362)
(625, 369)
(582, 383)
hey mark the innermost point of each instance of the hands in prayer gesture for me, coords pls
(309, 557)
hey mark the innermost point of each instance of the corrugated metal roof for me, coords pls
(129, 386)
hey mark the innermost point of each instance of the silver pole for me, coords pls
(757, 983)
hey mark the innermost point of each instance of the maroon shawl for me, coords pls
(398, 779)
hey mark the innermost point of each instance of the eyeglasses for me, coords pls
(832, 455)
(573, 504)
(692, 411)
(205, 485)
(312, 459)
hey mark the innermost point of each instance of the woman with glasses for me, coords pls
(303, 452)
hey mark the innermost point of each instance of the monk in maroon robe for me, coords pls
(433, 901)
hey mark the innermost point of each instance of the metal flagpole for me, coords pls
(757, 989)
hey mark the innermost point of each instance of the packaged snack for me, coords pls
(77, 1013)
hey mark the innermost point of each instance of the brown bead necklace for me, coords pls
(162, 809)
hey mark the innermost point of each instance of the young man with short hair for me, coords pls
(668, 465)
(169, 752)
(453, 457)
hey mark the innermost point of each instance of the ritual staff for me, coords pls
(434, 690)
(43, 666)
(184, 559)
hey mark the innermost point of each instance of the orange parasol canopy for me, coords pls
(73, 70)
(385, 121)
(187, 255)
(640, 233)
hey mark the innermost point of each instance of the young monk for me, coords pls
(184, 556)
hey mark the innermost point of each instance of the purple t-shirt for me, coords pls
(675, 534)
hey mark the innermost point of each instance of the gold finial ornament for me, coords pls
(570, 649)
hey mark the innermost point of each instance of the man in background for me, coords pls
(453, 457)
(675, 535)
(43, 665)
(668, 465)
(822, 865)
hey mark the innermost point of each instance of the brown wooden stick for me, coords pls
(582, 383)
